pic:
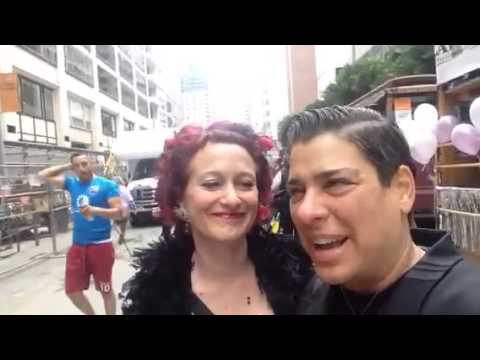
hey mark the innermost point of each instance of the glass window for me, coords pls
(79, 114)
(107, 83)
(126, 49)
(109, 124)
(78, 65)
(128, 97)
(128, 125)
(106, 53)
(142, 106)
(141, 83)
(153, 111)
(46, 52)
(126, 69)
(31, 98)
(152, 88)
(139, 57)
(48, 104)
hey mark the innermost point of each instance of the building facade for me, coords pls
(83, 96)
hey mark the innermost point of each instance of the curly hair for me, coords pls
(179, 150)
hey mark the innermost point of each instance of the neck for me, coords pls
(86, 179)
(410, 255)
(217, 259)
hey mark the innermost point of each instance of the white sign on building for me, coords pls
(453, 61)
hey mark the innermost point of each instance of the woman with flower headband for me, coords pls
(215, 191)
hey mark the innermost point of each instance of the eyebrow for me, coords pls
(325, 175)
(219, 174)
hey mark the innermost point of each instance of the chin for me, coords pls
(332, 276)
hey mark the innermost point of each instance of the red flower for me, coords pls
(265, 143)
(169, 143)
(263, 213)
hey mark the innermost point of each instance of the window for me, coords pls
(126, 69)
(79, 145)
(109, 124)
(36, 119)
(151, 66)
(139, 57)
(45, 52)
(37, 100)
(106, 53)
(11, 129)
(107, 83)
(152, 88)
(128, 125)
(128, 97)
(143, 128)
(153, 111)
(169, 107)
(78, 65)
(79, 114)
(142, 106)
(141, 83)
(126, 50)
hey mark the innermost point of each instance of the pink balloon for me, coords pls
(466, 139)
(443, 128)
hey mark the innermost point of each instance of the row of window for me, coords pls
(37, 102)
(80, 66)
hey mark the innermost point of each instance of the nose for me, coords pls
(230, 197)
(312, 208)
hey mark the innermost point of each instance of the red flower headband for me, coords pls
(264, 142)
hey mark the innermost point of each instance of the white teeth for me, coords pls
(324, 241)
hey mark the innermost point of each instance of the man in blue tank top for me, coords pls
(95, 201)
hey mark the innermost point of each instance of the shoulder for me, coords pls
(458, 292)
(105, 182)
(283, 269)
(68, 179)
(159, 285)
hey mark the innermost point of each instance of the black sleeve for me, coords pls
(458, 293)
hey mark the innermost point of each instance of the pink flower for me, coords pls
(265, 143)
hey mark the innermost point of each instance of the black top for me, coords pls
(162, 283)
(442, 282)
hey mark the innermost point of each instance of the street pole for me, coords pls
(2, 149)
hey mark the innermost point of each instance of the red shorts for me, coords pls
(84, 261)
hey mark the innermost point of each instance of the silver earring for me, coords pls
(181, 213)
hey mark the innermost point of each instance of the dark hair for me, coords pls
(378, 139)
(74, 155)
(178, 152)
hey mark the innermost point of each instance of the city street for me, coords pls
(38, 290)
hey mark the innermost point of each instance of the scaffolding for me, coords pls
(27, 204)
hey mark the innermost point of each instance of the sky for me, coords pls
(232, 71)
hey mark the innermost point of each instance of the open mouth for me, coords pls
(329, 243)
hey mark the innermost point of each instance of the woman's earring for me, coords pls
(181, 213)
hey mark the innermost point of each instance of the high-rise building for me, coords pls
(302, 76)
(195, 98)
(83, 96)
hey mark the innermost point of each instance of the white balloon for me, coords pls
(475, 113)
(422, 143)
(426, 115)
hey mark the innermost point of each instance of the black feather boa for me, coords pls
(162, 283)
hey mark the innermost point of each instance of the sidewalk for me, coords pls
(12, 261)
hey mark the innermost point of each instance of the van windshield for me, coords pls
(145, 168)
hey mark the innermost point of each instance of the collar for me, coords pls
(440, 255)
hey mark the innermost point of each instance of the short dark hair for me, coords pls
(74, 155)
(379, 140)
